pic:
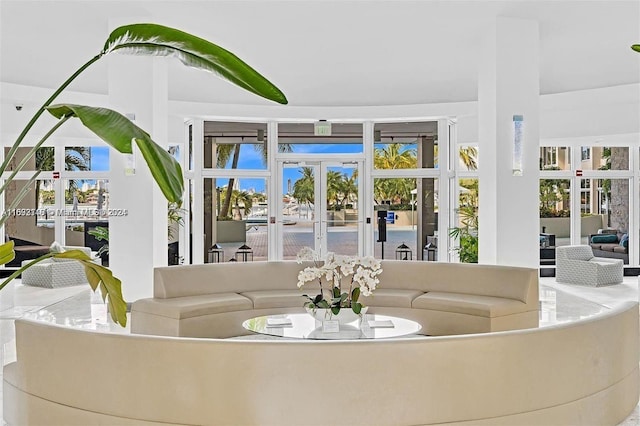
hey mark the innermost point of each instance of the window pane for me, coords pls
(85, 158)
(30, 222)
(43, 159)
(555, 158)
(468, 158)
(555, 220)
(406, 145)
(299, 210)
(409, 208)
(235, 218)
(300, 138)
(342, 215)
(86, 208)
(605, 158)
(465, 232)
(229, 145)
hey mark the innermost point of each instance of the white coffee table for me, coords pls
(304, 326)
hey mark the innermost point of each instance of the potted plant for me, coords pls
(120, 133)
(360, 274)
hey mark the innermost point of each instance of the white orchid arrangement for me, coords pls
(363, 271)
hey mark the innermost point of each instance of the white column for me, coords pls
(160, 134)
(273, 199)
(366, 183)
(508, 85)
(138, 241)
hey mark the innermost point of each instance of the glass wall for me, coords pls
(599, 182)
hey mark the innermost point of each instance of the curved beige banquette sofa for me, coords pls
(580, 373)
(445, 298)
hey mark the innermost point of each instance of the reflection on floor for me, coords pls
(79, 307)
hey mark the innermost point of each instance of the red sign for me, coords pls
(56, 175)
(578, 172)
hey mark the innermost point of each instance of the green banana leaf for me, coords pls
(118, 131)
(99, 276)
(6, 252)
(192, 51)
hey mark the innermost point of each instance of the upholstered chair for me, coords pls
(54, 273)
(577, 265)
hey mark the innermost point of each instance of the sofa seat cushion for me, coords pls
(193, 306)
(266, 299)
(620, 249)
(391, 297)
(470, 304)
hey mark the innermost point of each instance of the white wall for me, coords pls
(584, 113)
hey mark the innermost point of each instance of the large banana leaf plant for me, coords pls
(120, 133)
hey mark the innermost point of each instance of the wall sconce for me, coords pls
(518, 141)
(130, 159)
(130, 164)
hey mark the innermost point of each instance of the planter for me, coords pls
(231, 231)
(561, 226)
(345, 316)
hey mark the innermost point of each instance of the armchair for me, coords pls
(577, 265)
(54, 273)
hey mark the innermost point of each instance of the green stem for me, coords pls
(21, 270)
(31, 153)
(38, 113)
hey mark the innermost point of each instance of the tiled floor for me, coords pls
(79, 307)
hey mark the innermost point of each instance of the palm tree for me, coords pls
(393, 156)
(334, 179)
(304, 188)
(349, 188)
(225, 152)
(469, 156)
(241, 198)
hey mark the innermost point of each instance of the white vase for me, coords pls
(345, 316)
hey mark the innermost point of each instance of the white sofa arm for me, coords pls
(576, 271)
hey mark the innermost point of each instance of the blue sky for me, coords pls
(99, 158)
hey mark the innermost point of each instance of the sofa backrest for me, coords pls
(489, 280)
(192, 280)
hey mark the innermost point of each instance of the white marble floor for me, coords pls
(79, 307)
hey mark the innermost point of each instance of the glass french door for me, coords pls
(321, 207)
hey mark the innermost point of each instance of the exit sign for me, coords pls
(322, 128)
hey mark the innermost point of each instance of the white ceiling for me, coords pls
(329, 53)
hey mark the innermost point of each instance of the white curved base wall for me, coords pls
(582, 373)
